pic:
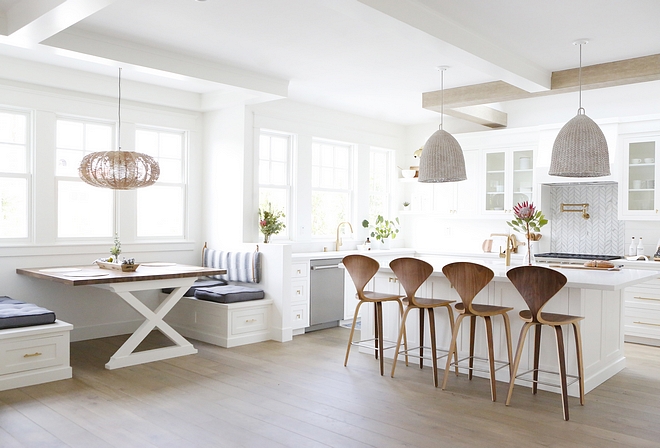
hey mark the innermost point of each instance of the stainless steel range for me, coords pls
(559, 257)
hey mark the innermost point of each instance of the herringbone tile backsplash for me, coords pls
(602, 233)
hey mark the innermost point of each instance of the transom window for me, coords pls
(14, 175)
(331, 186)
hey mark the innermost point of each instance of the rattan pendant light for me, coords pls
(580, 149)
(442, 157)
(119, 170)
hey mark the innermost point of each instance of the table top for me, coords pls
(94, 275)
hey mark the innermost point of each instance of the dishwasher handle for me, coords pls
(319, 268)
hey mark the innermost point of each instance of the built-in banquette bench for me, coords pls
(34, 345)
(225, 310)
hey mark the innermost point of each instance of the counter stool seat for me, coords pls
(537, 285)
(362, 269)
(412, 273)
(469, 279)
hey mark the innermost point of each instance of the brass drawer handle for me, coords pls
(247, 321)
(30, 355)
(646, 298)
(646, 323)
(392, 280)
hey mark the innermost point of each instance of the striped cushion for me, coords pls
(242, 267)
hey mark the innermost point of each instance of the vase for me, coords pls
(266, 237)
(385, 243)
(528, 256)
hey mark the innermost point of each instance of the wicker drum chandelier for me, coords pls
(119, 170)
(580, 149)
(442, 157)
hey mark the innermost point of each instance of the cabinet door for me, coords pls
(509, 179)
(639, 198)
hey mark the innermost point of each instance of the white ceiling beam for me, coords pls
(465, 46)
(32, 21)
(483, 115)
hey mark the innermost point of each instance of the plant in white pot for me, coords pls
(383, 230)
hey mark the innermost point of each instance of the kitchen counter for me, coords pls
(343, 253)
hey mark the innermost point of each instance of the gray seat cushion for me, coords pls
(229, 294)
(14, 313)
(204, 282)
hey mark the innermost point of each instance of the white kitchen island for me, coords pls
(596, 295)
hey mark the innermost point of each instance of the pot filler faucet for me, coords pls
(338, 241)
(511, 246)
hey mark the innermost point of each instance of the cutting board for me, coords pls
(577, 266)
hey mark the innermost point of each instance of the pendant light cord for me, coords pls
(442, 97)
(119, 114)
(580, 81)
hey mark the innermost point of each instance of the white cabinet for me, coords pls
(638, 194)
(451, 199)
(299, 297)
(642, 313)
(508, 180)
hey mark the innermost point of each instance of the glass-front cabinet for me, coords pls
(639, 198)
(509, 179)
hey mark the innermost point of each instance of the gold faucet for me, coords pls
(511, 246)
(338, 241)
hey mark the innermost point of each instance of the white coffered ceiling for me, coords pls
(368, 57)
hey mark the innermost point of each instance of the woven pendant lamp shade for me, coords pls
(119, 170)
(580, 150)
(442, 159)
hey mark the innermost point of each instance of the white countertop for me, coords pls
(343, 253)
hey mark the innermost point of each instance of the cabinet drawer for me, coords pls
(299, 315)
(299, 270)
(646, 299)
(253, 319)
(299, 291)
(642, 326)
(33, 353)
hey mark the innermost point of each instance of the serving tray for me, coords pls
(117, 266)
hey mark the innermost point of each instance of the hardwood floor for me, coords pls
(298, 394)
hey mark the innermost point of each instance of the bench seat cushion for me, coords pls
(229, 294)
(14, 313)
(204, 282)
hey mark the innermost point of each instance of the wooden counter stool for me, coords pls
(412, 272)
(537, 285)
(362, 269)
(468, 279)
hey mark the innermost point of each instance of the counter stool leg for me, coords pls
(516, 362)
(491, 357)
(379, 307)
(376, 330)
(562, 370)
(580, 363)
(350, 336)
(434, 355)
(537, 351)
(473, 324)
(403, 317)
(421, 338)
(402, 332)
(451, 328)
(507, 328)
(452, 349)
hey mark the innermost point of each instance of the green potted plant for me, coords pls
(406, 205)
(383, 230)
(270, 222)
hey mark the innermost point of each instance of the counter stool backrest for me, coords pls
(361, 269)
(537, 285)
(468, 279)
(411, 272)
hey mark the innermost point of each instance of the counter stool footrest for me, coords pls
(370, 344)
(502, 364)
(416, 355)
(574, 378)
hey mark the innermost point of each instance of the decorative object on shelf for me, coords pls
(408, 174)
(270, 222)
(526, 219)
(442, 157)
(119, 170)
(115, 250)
(406, 205)
(580, 149)
(383, 230)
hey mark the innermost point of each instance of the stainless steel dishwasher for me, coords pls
(326, 303)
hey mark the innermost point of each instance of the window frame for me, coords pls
(387, 195)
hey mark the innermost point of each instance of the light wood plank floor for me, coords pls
(298, 394)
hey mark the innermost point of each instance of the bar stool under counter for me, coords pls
(412, 273)
(469, 279)
(537, 285)
(362, 269)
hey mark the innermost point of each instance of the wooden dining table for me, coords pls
(148, 276)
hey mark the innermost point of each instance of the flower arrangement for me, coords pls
(383, 228)
(116, 249)
(270, 222)
(526, 219)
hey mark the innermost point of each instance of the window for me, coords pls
(331, 187)
(161, 208)
(14, 175)
(380, 177)
(83, 211)
(274, 174)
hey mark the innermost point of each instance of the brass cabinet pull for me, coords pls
(392, 279)
(30, 355)
(647, 298)
(646, 323)
(247, 321)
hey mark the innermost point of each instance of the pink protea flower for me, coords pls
(524, 210)
(263, 223)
